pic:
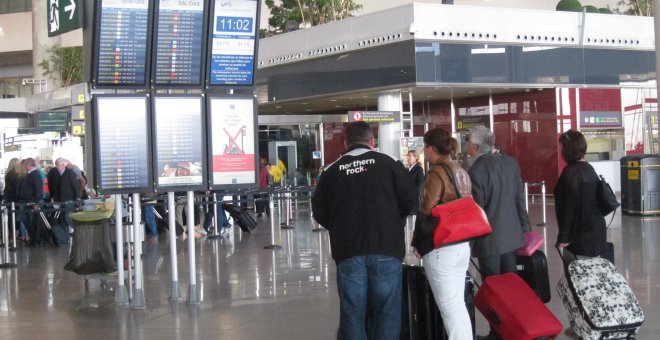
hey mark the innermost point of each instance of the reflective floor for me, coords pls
(249, 292)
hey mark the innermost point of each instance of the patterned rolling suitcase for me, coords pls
(598, 300)
(514, 311)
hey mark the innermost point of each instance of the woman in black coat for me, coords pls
(582, 227)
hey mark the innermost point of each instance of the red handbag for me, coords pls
(459, 220)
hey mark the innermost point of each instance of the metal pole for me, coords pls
(13, 219)
(129, 253)
(287, 207)
(138, 295)
(527, 197)
(175, 292)
(271, 206)
(121, 296)
(543, 202)
(5, 238)
(13, 232)
(214, 206)
(193, 294)
(656, 20)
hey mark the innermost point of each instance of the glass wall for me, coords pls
(13, 88)
(305, 138)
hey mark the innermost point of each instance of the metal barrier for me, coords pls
(542, 185)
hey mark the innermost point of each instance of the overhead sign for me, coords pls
(601, 119)
(468, 122)
(52, 121)
(63, 16)
(373, 116)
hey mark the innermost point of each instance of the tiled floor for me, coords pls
(249, 292)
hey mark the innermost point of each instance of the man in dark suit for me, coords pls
(497, 188)
(67, 189)
(32, 191)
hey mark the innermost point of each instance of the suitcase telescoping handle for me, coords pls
(43, 217)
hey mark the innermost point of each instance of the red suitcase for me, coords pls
(514, 311)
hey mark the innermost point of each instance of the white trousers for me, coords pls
(445, 269)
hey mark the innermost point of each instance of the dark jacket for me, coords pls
(32, 189)
(363, 199)
(417, 174)
(579, 220)
(68, 186)
(438, 188)
(53, 177)
(12, 186)
(497, 187)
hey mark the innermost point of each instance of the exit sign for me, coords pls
(63, 16)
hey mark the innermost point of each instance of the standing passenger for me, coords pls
(362, 200)
(417, 174)
(497, 188)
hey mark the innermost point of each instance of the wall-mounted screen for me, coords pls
(121, 143)
(122, 40)
(232, 152)
(233, 42)
(179, 143)
(179, 43)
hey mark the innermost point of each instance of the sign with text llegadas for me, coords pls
(233, 139)
(233, 42)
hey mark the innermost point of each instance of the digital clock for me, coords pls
(234, 24)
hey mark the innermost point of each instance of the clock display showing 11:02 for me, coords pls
(234, 24)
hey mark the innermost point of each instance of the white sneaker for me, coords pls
(201, 231)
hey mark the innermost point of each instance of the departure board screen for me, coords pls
(179, 142)
(233, 44)
(121, 58)
(179, 43)
(122, 144)
(232, 141)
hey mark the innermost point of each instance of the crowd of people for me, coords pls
(364, 197)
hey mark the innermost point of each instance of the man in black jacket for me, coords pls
(67, 190)
(32, 191)
(362, 199)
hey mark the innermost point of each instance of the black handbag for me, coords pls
(605, 197)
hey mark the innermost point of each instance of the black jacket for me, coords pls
(32, 189)
(53, 176)
(13, 184)
(580, 222)
(68, 186)
(363, 199)
(417, 174)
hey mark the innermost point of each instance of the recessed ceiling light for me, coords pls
(278, 106)
(337, 106)
(305, 103)
(333, 100)
(308, 110)
(472, 92)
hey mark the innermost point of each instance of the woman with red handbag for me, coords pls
(445, 266)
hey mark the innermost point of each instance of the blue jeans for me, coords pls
(223, 222)
(150, 219)
(373, 282)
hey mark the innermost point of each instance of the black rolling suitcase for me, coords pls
(534, 270)
(241, 216)
(420, 316)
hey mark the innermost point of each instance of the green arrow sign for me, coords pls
(63, 16)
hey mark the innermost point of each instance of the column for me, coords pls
(389, 134)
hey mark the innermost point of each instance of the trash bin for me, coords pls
(640, 184)
(91, 250)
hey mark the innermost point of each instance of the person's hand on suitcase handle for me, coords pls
(419, 257)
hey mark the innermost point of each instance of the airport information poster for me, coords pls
(233, 42)
(122, 43)
(179, 43)
(123, 144)
(179, 144)
(232, 141)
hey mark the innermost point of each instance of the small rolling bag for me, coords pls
(240, 216)
(534, 270)
(514, 311)
(599, 301)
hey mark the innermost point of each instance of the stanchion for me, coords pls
(271, 206)
(6, 264)
(13, 226)
(175, 292)
(527, 197)
(543, 223)
(138, 293)
(193, 293)
(121, 295)
(287, 206)
(216, 234)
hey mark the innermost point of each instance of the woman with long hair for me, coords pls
(445, 266)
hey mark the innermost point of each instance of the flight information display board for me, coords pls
(179, 143)
(232, 130)
(121, 142)
(122, 32)
(233, 43)
(179, 43)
